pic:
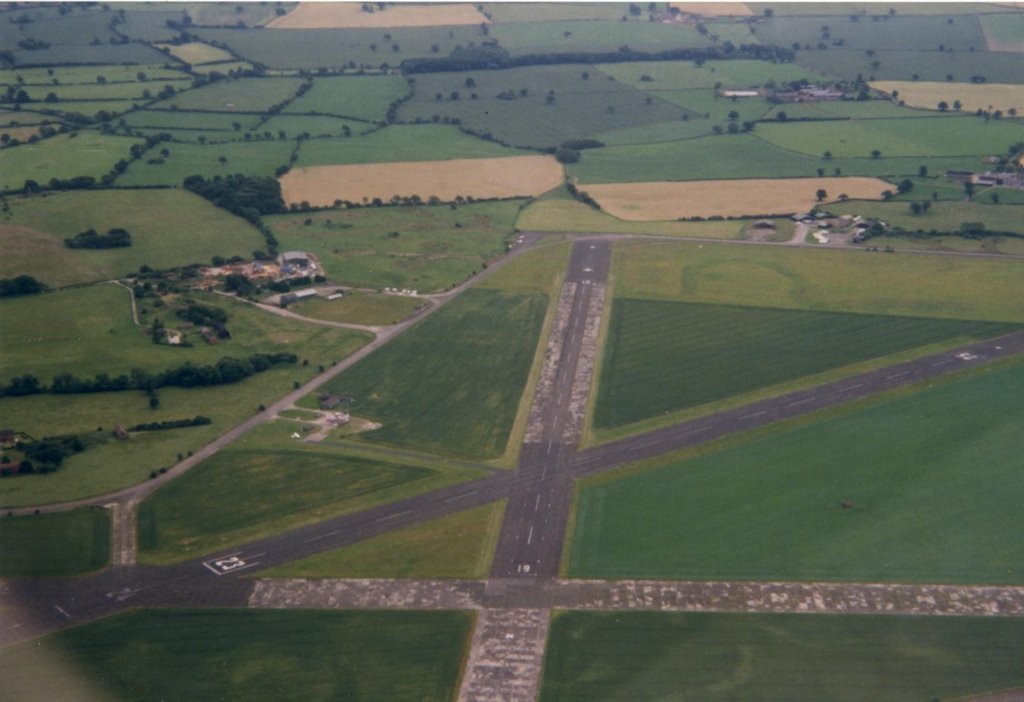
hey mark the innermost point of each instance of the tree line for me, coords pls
(91, 239)
(491, 56)
(188, 375)
(249, 197)
(22, 285)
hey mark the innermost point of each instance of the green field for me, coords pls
(898, 33)
(70, 75)
(931, 478)
(1006, 31)
(64, 156)
(173, 120)
(681, 75)
(904, 64)
(818, 279)
(619, 656)
(90, 330)
(550, 36)
(241, 95)
(421, 142)
(435, 247)
(666, 356)
(271, 491)
(320, 48)
(156, 655)
(457, 546)
(58, 544)
(581, 107)
(251, 158)
(359, 97)
(952, 136)
(426, 388)
(358, 307)
(941, 216)
(197, 52)
(314, 125)
(854, 109)
(742, 156)
(113, 465)
(168, 228)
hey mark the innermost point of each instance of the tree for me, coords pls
(821, 194)
(827, 155)
(905, 186)
(969, 189)
(922, 170)
(876, 153)
(915, 208)
(781, 116)
(943, 106)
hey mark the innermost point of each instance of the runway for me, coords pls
(538, 492)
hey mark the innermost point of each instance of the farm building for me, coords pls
(299, 259)
(289, 298)
(740, 93)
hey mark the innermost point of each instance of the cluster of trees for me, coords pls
(188, 375)
(582, 196)
(49, 453)
(90, 239)
(202, 315)
(197, 421)
(249, 197)
(22, 285)
(492, 56)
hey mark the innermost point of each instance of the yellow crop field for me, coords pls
(972, 96)
(197, 52)
(714, 9)
(349, 15)
(645, 202)
(474, 177)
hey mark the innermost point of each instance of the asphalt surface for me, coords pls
(533, 529)
(539, 492)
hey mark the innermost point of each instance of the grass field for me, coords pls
(360, 97)
(312, 15)
(271, 491)
(854, 109)
(426, 390)
(560, 215)
(168, 228)
(580, 107)
(59, 544)
(930, 476)
(317, 48)
(666, 356)
(943, 216)
(95, 91)
(358, 307)
(152, 655)
(435, 247)
(744, 156)
(899, 33)
(681, 75)
(550, 36)
(1004, 32)
(173, 120)
(951, 136)
(90, 330)
(421, 142)
(904, 64)
(972, 96)
(68, 75)
(251, 158)
(196, 52)
(839, 281)
(728, 198)
(241, 95)
(65, 156)
(619, 656)
(458, 546)
(480, 178)
(116, 464)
